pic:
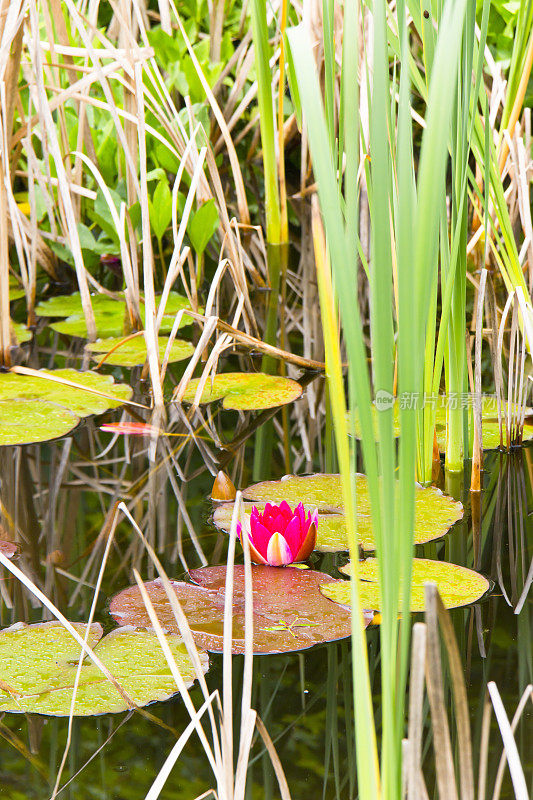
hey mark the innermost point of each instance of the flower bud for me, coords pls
(223, 488)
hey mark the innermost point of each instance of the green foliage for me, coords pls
(160, 209)
(202, 226)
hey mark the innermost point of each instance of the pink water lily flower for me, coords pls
(279, 535)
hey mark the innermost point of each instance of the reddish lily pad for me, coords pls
(38, 665)
(246, 391)
(133, 352)
(458, 586)
(290, 613)
(8, 549)
(435, 512)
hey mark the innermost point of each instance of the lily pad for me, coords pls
(246, 391)
(489, 413)
(22, 334)
(15, 388)
(435, 512)
(458, 586)
(29, 421)
(289, 612)
(133, 352)
(110, 314)
(8, 549)
(66, 305)
(38, 665)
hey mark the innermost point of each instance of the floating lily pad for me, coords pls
(246, 391)
(15, 387)
(489, 414)
(331, 527)
(8, 549)
(289, 611)
(29, 421)
(458, 586)
(435, 512)
(110, 314)
(133, 352)
(38, 666)
(22, 334)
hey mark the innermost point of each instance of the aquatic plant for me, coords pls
(279, 535)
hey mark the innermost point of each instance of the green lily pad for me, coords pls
(246, 391)
(110, 314)
(489, 414)
(29, 421)
(458, 586)
(21, 332)
(38, 665)
(289, 612)
(435, 512)
(15, 388)
(133, 352)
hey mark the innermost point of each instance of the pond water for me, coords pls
(59, 495)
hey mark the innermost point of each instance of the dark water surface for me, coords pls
(59, 495)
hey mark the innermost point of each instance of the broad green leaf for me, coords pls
(15, 289)
(15, 388)
(133, 352)
(458, 586)
(202, 225)
(161, 209)
(30, 421)
(38, 665)
(289, 611)
(246, 391)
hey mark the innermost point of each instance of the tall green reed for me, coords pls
(405, 209)
(276, 217)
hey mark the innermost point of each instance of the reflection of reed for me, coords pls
(514, 574)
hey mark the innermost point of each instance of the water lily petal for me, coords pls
(294, 535)
(255, 555)
(278, 524)
(308, 544)
(279, 552)
(286, 510)
(259, 536)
